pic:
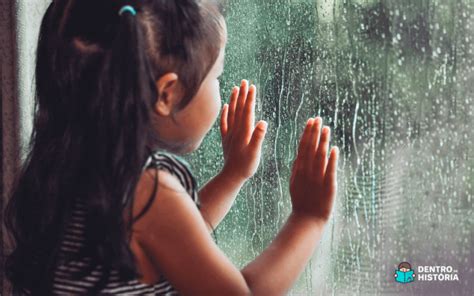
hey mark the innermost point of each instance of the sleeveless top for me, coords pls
(63, 284)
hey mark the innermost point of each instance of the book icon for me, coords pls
(404, 276)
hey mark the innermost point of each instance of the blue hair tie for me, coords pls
(127, 8)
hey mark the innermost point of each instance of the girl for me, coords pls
(103, 203)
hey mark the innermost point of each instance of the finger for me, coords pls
(304, 141)
(241, 101)
(232, 105)
(320, 160)
(258, 136)
(331, 170)
(312, 145)
(315, 132)
(248, 116)
(225, 112)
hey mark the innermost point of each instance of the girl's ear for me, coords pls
(168, 94)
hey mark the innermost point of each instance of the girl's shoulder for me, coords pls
(165, 200)
(177, 167)
(164, 175)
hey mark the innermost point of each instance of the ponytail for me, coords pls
(126, 93)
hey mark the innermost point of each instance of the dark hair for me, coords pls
(404, 265)
(96, 77)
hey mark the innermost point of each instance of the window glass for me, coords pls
(394, 81)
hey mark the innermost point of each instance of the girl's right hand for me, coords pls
(313, 179)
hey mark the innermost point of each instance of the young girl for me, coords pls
(104, 204)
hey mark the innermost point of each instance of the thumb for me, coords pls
(258, 135)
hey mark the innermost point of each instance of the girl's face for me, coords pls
(192, 123)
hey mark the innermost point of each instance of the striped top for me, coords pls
(74, 238)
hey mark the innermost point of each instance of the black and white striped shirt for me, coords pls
(63, 283)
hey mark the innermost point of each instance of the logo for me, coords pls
(404, 274)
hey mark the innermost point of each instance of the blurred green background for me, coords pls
(394, 80)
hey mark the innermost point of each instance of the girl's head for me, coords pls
(183, 131)
(178, 45)
(110, 90)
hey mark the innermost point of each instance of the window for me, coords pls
(394, 81)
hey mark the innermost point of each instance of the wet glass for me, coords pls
(394, 80)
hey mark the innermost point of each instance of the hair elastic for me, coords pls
(127, 8)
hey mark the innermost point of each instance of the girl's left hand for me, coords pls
(241, 139)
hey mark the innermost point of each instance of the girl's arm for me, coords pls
(276, 269)
(279, 265)
(217, 197)
(242, 144)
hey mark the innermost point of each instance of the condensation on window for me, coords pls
(394, 81)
